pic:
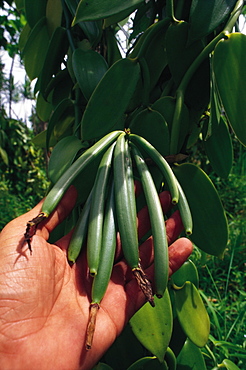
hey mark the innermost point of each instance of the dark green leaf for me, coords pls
(230, 75)
(35, 49)
(110, 99)
(210, 229)
(62, 156)
(89, 68)
(219, 149)
(206, 16)
(89, 10)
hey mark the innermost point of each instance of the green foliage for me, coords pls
(22, 169)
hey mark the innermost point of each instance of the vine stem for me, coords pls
(180, 93)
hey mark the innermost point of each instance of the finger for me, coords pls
(174, 227)
(60, 213)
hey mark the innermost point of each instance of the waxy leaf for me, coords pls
(190, 358)
(151, 125)
(61, 119)
(89, 68)
(192, 314)
(230, 75)
(90, 10)
(229, 365)
(206, 16)
(110, 99)
(34, 11)
(153, 325)
(210, 229)
(187, 272)
(62, 156)
(35, 49)
(219, 149)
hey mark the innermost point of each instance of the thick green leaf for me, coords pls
(90, 10)
(166, 107)
(219, 149)
(229, 364)
(62, 156)
(187, 272)
(34, 11)
(192, 314)
(89, 68)
(153, 326)
(118, 17)
(35, 49)
(179, 55)
(92, 30)
(230, 75)
(206, 16)
(151, 125)
(43, 108)
(190, 358)
(54, 14)
(61, 119)
(57, 48)
(210, 229)
(111, 98)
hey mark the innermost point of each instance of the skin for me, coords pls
(44, 302)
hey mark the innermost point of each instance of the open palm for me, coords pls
(44, 302)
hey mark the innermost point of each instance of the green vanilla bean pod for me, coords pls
(161, 260)
(80, 232)
(125, 210)
(101, 280)
(57, 192)
(95, 227)
(160, 162)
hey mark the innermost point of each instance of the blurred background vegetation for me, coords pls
(23, 183)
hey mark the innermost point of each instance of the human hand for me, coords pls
(44, 302)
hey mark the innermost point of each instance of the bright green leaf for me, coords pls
(153, 325)
(190, 358)
(229, 364)
(192, 314)
(187, 272)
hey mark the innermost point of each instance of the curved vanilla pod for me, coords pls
(161, 259)
(58, 190)
(160, 162)
(126, 218)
